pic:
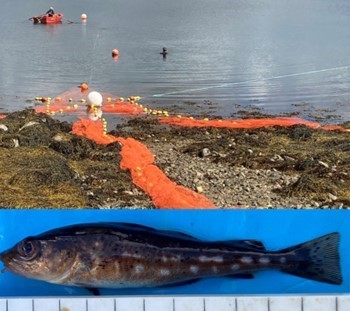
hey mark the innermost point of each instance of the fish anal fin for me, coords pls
(181, 283)
(241, 276)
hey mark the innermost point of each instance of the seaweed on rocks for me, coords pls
(43, 165)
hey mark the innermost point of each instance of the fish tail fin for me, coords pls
(317, 259)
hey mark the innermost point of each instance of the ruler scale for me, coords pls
(181, 303)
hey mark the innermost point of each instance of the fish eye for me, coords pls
(27, 249)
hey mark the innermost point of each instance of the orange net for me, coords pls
(74, 100)
(335, 128)
(2, 116)
(122, 108)
(139, 160)
(245, 123)
(92, 130)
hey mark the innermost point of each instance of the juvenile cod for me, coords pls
(120, 255)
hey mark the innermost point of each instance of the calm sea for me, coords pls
(275, 55)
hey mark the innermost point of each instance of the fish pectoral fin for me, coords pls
(181, 283)
(241, 276)
(94, 291)
(247, 245)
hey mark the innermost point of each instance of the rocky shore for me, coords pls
(43, 165)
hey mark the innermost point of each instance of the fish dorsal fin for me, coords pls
(87, 228)
(177, 234)
(245, 245)
(174, 234)
(113, 229)
(134, 226)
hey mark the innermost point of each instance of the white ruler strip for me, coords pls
(45, 305)
(189, 303)
(285, 303)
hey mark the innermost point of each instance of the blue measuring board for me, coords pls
(276, 229)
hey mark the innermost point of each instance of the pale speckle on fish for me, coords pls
(119, 255)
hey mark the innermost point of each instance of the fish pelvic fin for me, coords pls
(317, 260)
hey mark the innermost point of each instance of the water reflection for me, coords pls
(274, 52)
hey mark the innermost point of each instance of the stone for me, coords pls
(204, 152)
(4, 127)
(323, 164)
(31, 123)
(332, 197)
(199, 189)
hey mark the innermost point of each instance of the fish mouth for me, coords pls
(2, 257)
(7, 260)
(5, 269)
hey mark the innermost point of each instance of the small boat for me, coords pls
(45, 19)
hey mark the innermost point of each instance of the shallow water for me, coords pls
(269, 54)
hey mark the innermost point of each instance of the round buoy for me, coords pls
(84, 86)
(115, 53)
(83, 16)
(94, 99)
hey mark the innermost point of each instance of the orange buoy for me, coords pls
(83, 17)
(115, 53)
(84, 86)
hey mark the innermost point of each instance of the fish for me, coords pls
(127, 255)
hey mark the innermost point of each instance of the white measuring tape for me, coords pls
(181, 303)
